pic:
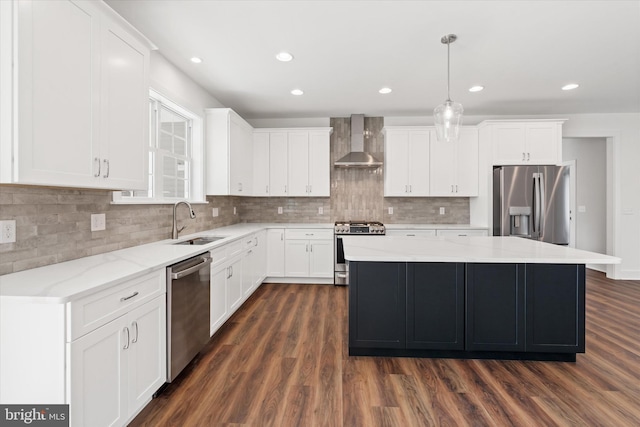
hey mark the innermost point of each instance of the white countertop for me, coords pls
(59, 283)
(466, 249)
(434, 227)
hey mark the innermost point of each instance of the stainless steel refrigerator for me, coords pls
(532, 202)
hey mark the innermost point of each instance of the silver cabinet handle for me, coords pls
(523, 156)
(311, 248)
(266, 189)
(528, 156)
(341, 275)
(106, 164)
(135, 325)
(96, 160)
(310, 189)
(456, 188)
(256, 244)
(452, 188)
(249, 241)
(228, 272)
(239, 186)
(306, 248)
(406, 188)
(285, 188)
(281, 236)
(126, 346)
(129, 297)
(309, 234)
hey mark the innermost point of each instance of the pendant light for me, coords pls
(448, 116)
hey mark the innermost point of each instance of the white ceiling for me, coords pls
(521, 51)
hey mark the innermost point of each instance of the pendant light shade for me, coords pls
(448, 116)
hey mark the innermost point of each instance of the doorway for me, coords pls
(590, 197)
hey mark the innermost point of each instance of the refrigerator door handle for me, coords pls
(537, 205)
(541, 204)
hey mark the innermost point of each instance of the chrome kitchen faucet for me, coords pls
(176, 230)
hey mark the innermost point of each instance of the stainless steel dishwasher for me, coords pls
(187, 311)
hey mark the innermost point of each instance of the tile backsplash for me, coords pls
(53, 224)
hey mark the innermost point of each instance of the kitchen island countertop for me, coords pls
(478, 249)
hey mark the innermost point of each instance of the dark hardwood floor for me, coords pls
(282, 360)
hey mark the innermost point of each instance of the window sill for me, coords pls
(156, 202)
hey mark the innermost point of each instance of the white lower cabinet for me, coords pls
(238, 269)
(411, 233)
(464, 232)
(308, 253)
(116, 368)
(275, 252)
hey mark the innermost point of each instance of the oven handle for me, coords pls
(341, 275)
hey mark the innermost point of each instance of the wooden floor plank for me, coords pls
(282, 360)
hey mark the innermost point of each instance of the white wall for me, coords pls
(622, 131)
(590, 155)
(175, 85)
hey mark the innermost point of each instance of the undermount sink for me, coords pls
(200, 240)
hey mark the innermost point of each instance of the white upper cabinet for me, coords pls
(406, 165)
(454, 166)
(229, 149)
(79, 79)
(526, 142)
(297, 162)
(278, 169)
(261, 164)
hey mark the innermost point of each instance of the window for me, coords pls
(175, 155)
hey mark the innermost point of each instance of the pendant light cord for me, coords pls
(448, 71)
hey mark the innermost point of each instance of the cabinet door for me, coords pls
(542, 148)
(298, 163)
(147, 352)
(321, 258)
(296, 256)
(466, 161)
(442, 168)
(58, 58)
(237, 152)
(234, 285)
(377, 305)
(319, 164)
(124, 110)
(218, 308)
(248, 272)
(261, 164)
(435, 306)
(555, 308)
(98, 375)
(396, 158)
(275, 252)
(509, 144)
(278, 169)
(495, 307)
(418, 163)
(261, 258)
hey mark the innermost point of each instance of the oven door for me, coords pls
(341, 276)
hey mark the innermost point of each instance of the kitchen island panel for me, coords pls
(377, 309)
(435, 306)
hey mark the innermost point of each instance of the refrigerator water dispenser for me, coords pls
(520, 217)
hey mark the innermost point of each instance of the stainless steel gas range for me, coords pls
(351, 228)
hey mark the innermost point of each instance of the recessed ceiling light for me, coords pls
(385, 90)
(284, 57)
(196, 60)
(476, 88)
(297, 92)
(570, 86)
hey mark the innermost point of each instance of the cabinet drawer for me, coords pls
(308, 234)
(100, 308)
(411, 233)
(218, 256)
(450, 233)
(234, 248)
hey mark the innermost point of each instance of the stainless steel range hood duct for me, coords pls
(357, 158)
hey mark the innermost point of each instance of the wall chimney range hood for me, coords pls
(357, 158)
